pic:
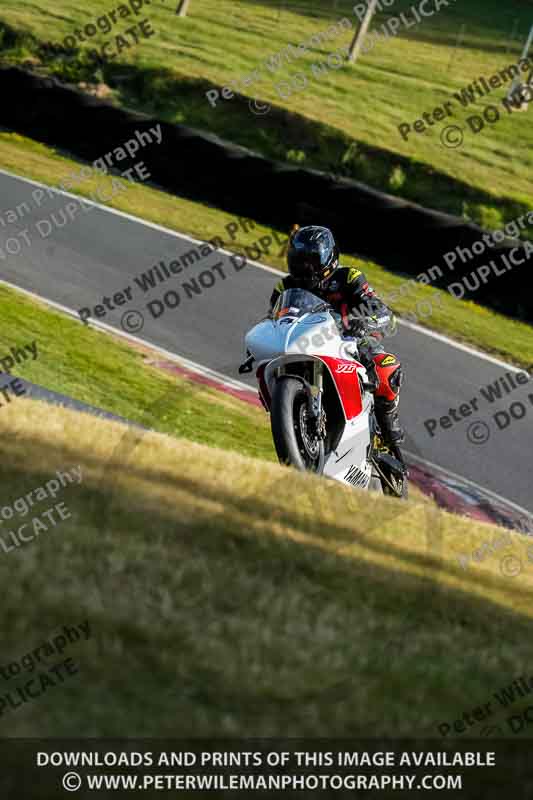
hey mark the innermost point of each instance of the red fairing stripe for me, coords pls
(344, 373)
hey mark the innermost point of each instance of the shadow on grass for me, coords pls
(209, 619)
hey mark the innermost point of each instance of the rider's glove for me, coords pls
(371, 331)
(358, 329)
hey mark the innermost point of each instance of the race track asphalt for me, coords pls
(100, 254)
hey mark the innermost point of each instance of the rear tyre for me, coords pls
(401, 483)
(401, 486)
(295, 440)
(392, 483)
(375, 484)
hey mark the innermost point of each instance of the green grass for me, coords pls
(98, 369)
(346, 122)
(463, 320)
(225, 599)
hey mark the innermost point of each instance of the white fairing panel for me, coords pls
(315, 334)
(348, 464)
(263, 340)
(305, 337)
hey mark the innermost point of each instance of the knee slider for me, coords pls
(396, 379)
(390, 374)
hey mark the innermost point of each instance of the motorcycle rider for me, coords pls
(313, 262)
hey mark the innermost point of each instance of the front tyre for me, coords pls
(292, 426)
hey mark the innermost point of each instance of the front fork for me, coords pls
(315, 399)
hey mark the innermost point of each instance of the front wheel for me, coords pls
(293, 428)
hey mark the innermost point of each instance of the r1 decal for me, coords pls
(346, 368)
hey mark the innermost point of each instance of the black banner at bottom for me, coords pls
(45, 769)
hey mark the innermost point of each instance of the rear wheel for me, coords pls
(293, 428)
(400, 486)
(375, 484)
(393, 483)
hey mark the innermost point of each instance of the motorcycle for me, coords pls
(319, 396)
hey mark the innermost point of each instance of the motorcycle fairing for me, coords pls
(345, 378)
(350, 455)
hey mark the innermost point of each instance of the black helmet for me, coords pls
(312, 255)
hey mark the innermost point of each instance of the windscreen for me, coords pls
(296, 302)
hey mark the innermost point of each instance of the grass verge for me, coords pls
(103, 371)
(226, 599)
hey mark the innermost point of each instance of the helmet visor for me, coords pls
(305, 266)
